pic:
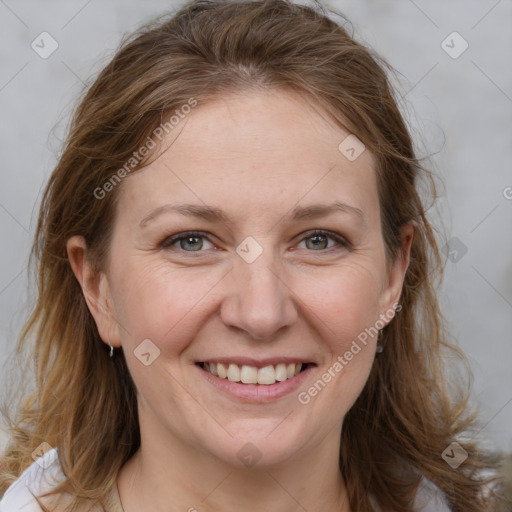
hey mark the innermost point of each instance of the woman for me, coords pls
(236, 301)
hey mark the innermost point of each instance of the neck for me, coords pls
(169, 472)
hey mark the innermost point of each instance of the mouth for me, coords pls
(267, 375)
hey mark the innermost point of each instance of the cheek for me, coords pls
(153, 300)
(163, 305)
(346, 300)
(346, 308)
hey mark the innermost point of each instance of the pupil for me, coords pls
(196, 238)
(317, 241)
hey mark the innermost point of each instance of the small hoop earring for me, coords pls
(380, 348)
(111, 347)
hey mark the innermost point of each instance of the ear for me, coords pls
(396, 272)
(96, 290)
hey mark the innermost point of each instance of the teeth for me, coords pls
(234, 373)
(266, 375)
(251, 375)
(221, 371)
(213, 369)
(281, 372)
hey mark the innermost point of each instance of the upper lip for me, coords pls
(258, 363)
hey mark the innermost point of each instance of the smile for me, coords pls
(266, 375)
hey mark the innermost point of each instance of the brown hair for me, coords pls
(85, 403)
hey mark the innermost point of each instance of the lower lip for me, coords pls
(258, 393)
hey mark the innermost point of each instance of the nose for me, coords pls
(259, 300)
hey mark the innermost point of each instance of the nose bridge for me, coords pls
(259, 301)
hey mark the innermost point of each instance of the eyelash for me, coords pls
(171, 240)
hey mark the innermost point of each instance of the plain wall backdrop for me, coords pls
(453, 59)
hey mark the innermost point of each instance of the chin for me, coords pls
(253, 449)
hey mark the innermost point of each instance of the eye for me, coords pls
(191, 241)
(194, 241)
(317, 240)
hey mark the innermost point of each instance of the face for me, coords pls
(285, 266)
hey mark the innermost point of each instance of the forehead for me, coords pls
(264, 150)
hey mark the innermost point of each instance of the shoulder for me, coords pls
(40, 477)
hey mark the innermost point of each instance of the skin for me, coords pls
(256, 156)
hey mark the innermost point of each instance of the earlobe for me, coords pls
(94, 287)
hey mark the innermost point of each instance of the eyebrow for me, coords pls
(213, 214)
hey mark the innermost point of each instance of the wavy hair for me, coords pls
(85, 404)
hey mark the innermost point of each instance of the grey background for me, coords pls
(460, 107)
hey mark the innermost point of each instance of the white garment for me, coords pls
(429, 498)
(41, 476)
(45, 473)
